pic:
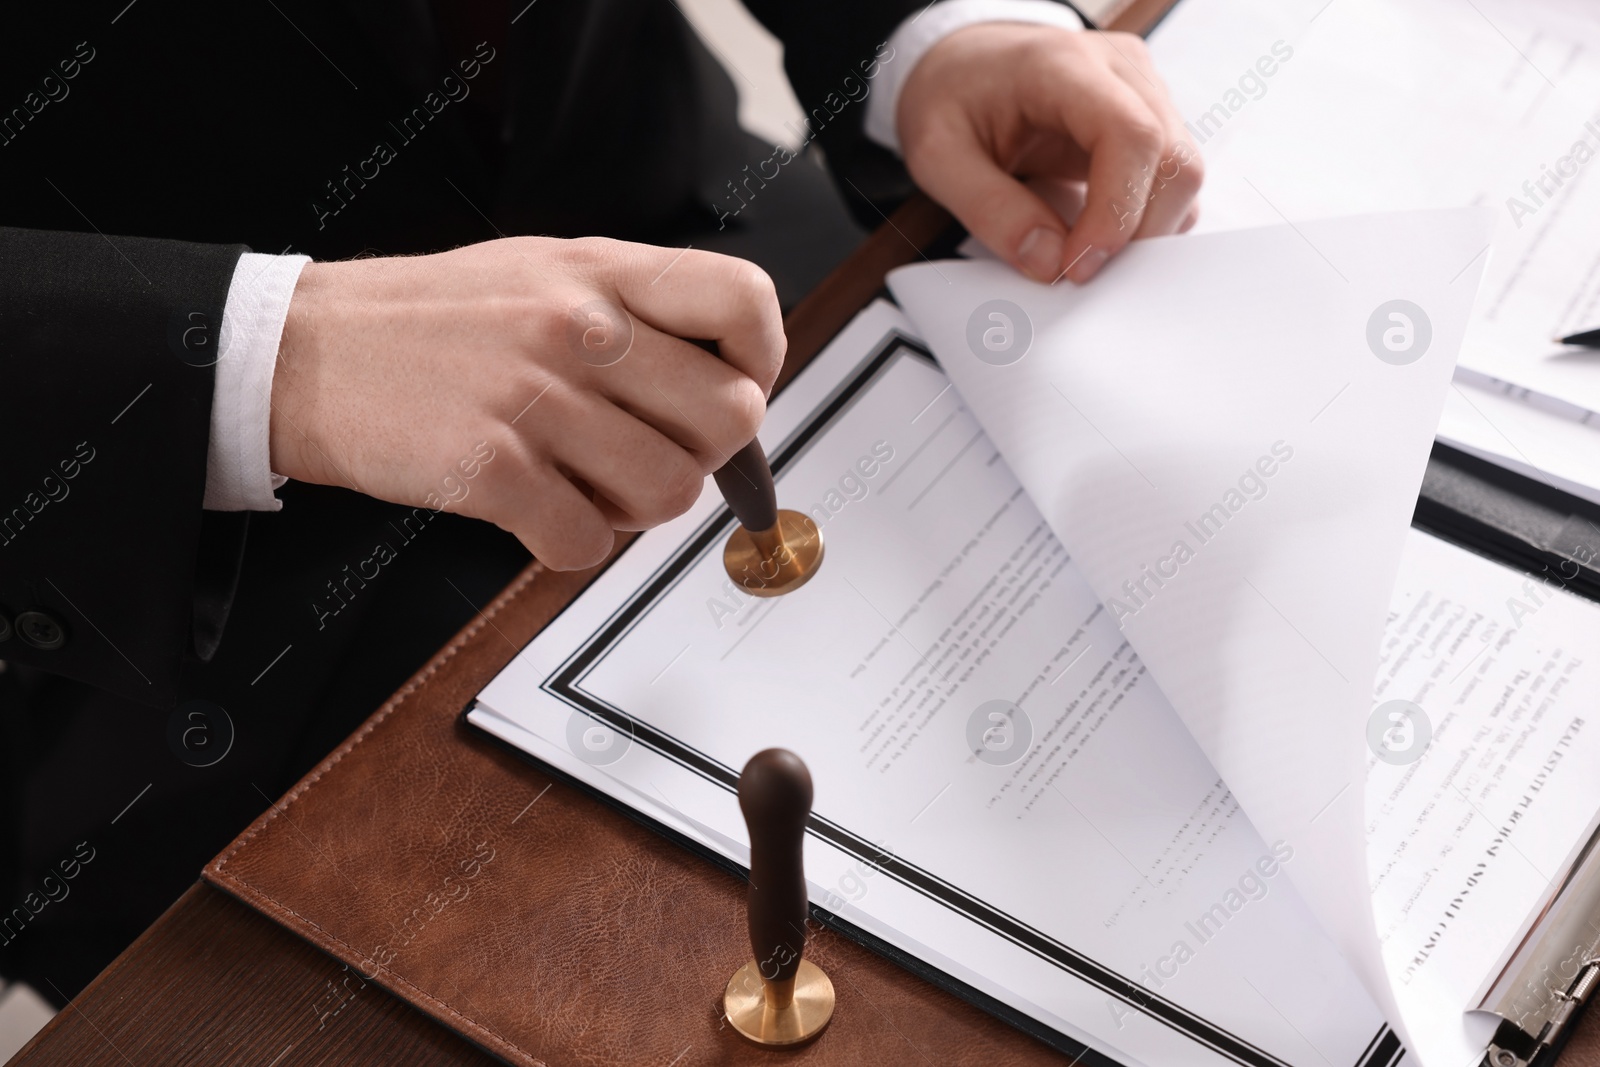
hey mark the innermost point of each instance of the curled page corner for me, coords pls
(1228, 433)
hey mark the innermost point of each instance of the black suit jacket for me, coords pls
(145, 145)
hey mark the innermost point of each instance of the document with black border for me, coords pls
(1076, 859)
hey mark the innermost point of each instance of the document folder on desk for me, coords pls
(1087, 682)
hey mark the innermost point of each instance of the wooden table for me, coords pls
(215, 983)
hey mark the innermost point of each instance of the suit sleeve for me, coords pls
(833, 49)
(107, 346)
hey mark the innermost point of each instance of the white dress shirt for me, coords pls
(238, 470)
(913, 37)
(239, 475)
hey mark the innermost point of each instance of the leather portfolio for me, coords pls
(537, 921)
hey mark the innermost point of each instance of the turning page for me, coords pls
(1228, 433)
(1245, 535)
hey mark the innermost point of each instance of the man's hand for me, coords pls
(996, 102)
(563, 355)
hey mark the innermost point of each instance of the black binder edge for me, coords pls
(1511, 519)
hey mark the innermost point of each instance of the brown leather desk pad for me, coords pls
(531, 918)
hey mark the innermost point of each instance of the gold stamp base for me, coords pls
(776, 561)
(748, 1005)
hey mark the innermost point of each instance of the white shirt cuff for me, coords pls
(238, 464)
(913, 37)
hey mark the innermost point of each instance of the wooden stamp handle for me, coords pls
(775, 796)
(746, 484)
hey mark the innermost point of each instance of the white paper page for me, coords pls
(1304, 109)
(1503, 424)
(1217, 432)
(1482, 782)
(1088, 869)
